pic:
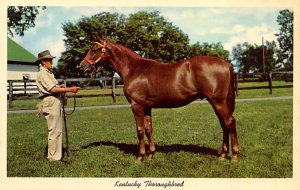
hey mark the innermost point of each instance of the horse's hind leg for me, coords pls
(148, 129)
(227, 122)
(234, 139)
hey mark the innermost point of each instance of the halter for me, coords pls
(99, 44)
(103, 51)
(93, 63)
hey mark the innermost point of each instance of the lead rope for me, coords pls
(63, 99)
(74, 105)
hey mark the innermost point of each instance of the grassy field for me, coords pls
(103, 142)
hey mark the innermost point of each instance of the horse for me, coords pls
(150, 84)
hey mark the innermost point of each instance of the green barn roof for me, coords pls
(17, 53)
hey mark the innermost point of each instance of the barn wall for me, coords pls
(17, 71)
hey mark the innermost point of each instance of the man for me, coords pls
(50, 107)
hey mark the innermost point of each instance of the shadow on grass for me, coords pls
(133, 149)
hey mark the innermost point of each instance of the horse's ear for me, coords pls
(94, 37)
(102, 40)
(99, 39)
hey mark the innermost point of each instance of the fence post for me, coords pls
(270, 82)
(236, 84)
(64, 95)
(113, 89)
(104, 83)
(65, 82)
(10, 93)
(25, 87)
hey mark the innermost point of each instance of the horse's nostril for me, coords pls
(83, 66)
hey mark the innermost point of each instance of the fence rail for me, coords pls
(268, 78)
(27, 89)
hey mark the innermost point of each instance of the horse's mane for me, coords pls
(123, 49)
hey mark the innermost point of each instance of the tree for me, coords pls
(20, 19)
(213, 49)
(285, 38)
(79, 36)
(250, 57)
(153, 37)
(146, 33)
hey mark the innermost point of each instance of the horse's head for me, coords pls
(96, 54)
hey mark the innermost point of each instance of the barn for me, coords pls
(20, 62)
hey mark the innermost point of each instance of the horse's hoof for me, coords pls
(234, 158)
(222, 156)
(138, 160)
(149, 157)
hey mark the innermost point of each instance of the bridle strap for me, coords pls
(99, 58)
(90, 61)
(98, 43)
(95, 62)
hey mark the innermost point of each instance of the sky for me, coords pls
(228, 25)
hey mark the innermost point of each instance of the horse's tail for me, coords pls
(231, 92)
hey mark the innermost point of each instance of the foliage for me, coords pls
(151, 36)
(20, 19)
(79, 37)
(213, 49)
(285, 38)
(250, 57)
(147, 33)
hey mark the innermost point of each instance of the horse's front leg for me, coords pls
(138, 112)
(148, 129)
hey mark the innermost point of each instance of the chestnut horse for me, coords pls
(149, 84)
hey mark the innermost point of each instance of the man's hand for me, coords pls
(74, 89)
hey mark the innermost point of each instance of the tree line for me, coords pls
(277, 58)
(152, 36)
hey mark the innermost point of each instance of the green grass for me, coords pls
(103, 143)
